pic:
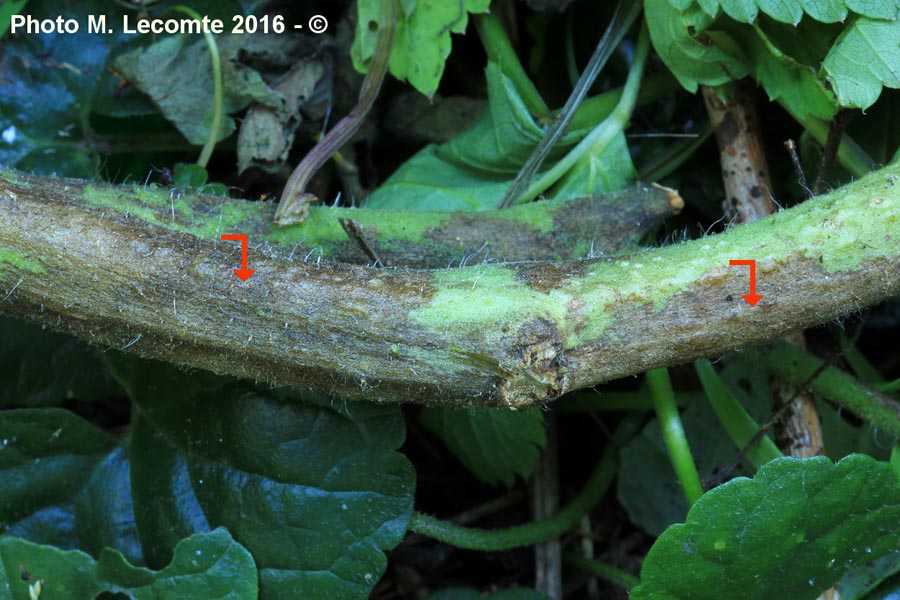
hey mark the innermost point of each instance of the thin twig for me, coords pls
(798, 169)
(829, 154)
(294, 205)
(626, 12)
(355, 233)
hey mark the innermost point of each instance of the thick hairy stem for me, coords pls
(748, 192)
(492, 334)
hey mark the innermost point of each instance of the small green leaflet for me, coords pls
(791, 11)
(792, 63)
(495, 444)
(864, 58)
(790, 532)
(422, 39)
(206, 565)
(691, 61)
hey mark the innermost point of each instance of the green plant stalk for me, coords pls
(90, 261)
(599, 138)
(735, 419)
(487, 540)
(294, 205)
(675, 155)
(796, 367)
(623, 17)
(673, 433)
(500, 50)
(850, 155)
(596, 108)
(606, 572)
(216, 61)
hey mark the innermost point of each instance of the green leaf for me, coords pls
(473, 170)
(104, 510)
(865, 58)
(209, 565)
(791, 11)
(856, 584)
(47, 88)
(42, 368)
(189, 175)
(177, 76)
(315, 490)
(47, 458)
(495, 444)
(691, 60)
(791, 532)
(783, 76)
(421, 40)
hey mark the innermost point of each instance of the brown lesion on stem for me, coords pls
(748, 197)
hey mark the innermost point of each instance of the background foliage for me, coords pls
(129, 477)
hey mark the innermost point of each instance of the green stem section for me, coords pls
(609, 573)
(531, 533)
(499, 50)
(673, 433)
(797, 366)
(135, 267)
(216, 125)
(597, 140)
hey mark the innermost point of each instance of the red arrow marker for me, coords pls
(244, 273)
(752, 298)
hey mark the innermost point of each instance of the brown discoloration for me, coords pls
(538, 373)
(352, 330)
(740, 152)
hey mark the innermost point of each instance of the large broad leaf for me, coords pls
(785, 76)
(47, 89)
(860, 62)
(48, 461)
(42, 368)
(209, 565)
(791, 532)
(316, 492)
(495, 444)
(865, 58)
(421, 40)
